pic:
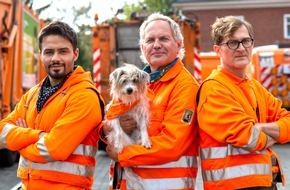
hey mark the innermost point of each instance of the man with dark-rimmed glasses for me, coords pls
(235, 44)
(239, 120)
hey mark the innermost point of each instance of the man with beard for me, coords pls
(54, 124)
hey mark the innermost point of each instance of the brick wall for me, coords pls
(267, 24)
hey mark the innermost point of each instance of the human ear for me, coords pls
(217, 50)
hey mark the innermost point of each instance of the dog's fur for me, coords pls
(129, 84)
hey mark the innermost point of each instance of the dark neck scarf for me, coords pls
(47, 91)
(155, 76)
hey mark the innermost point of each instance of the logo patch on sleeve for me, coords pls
(187, 116)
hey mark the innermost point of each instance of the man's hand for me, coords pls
(106, 128)
(112, 152)
(271, 129)
(270, 141)
(128, 123)
(21, 123)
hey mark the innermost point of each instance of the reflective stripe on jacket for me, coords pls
(176, 175)
(64, 158)
(233, 171)
(231, 147)
(171, 162)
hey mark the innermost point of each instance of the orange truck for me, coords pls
(117, 42)
(269, 65)
(19, 63)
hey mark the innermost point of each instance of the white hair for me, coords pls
(174, 28)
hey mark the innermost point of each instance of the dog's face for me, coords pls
(128, 83)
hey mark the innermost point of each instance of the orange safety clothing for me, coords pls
(171, 162)
(118, 108)
(232, 149)
(65, 157)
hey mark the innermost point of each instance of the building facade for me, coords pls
(270, 18)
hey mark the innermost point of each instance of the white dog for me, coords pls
(129, 96)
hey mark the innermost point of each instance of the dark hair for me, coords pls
(58, 28)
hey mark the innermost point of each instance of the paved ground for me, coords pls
(284, 154)
(8, 178)
(102, 171)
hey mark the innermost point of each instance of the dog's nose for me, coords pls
(129, 90)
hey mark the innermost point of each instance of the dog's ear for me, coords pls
(113, 75)
(145, 77)
(116, 74)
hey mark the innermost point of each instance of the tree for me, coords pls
(162, 6)
(29, 3)
(85, 45)
(84, 37)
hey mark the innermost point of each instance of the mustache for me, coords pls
(55, 64)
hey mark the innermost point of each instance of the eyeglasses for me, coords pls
(234, 44)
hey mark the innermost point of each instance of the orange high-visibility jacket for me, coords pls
(65, 157)
(231, 148)
(171, 162)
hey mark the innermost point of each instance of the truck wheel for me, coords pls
(8, 158)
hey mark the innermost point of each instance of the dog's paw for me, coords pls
(146, 144)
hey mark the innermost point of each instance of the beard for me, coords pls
(57, 75)
(57, 71)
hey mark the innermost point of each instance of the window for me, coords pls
(287, 26)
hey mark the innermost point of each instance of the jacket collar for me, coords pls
(173, 71)
(237, 80)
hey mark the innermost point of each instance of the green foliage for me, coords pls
(162, 6)
(84, 38)
(85, 46)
